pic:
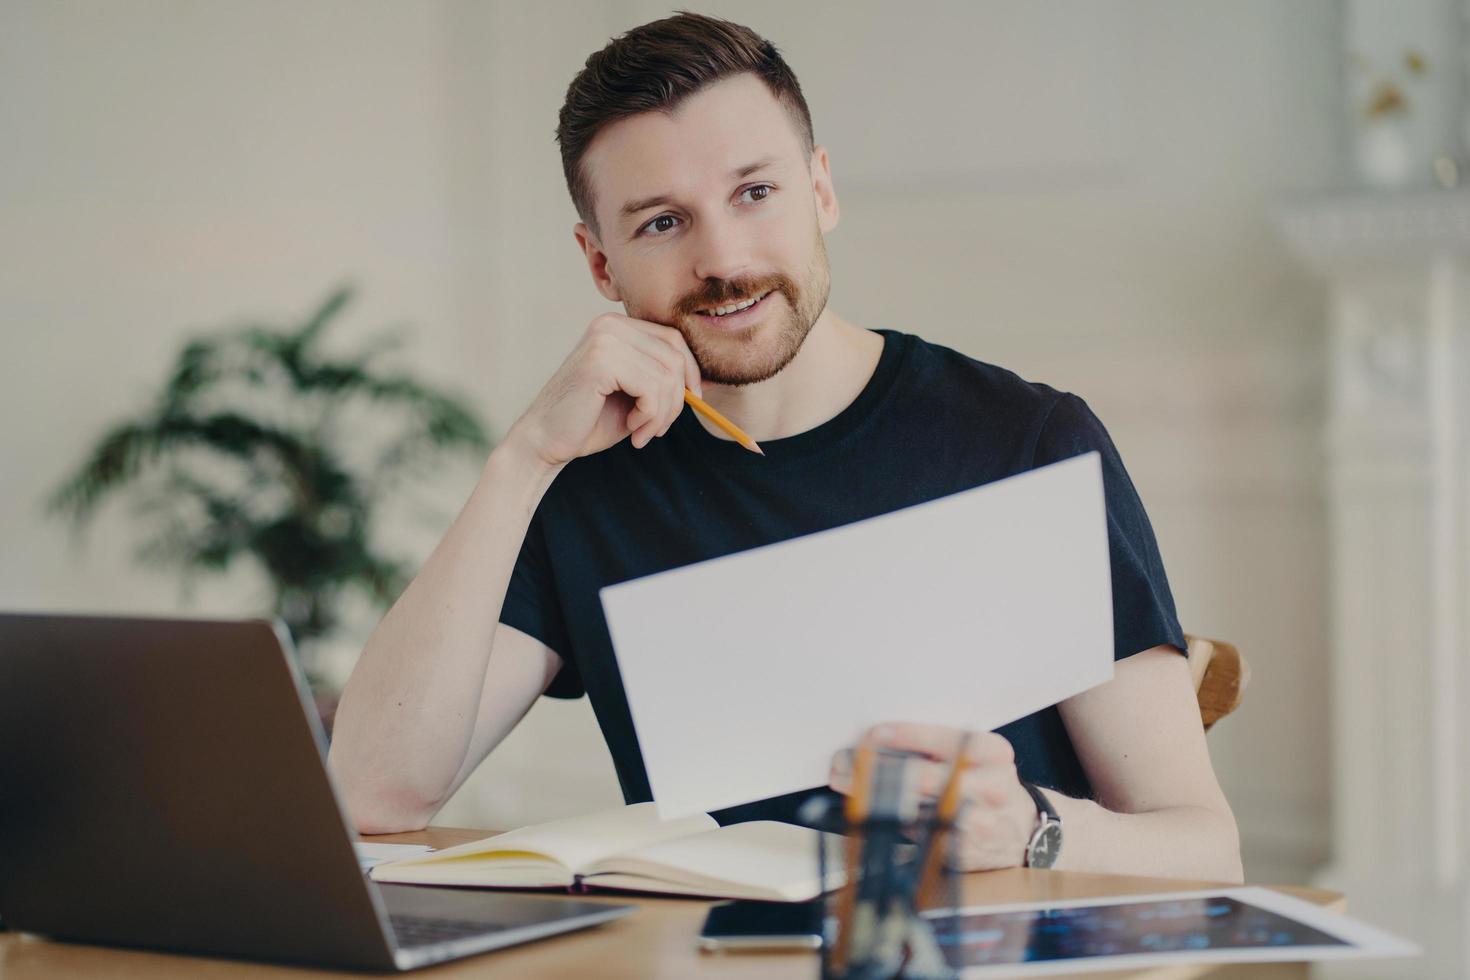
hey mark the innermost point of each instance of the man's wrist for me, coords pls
(1044, 843)
(511, 466)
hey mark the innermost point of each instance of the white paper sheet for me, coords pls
(746, 673)
(370, 854)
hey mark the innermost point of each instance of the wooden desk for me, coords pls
(655, 943)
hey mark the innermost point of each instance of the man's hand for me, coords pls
(996, 815)
(625, 376)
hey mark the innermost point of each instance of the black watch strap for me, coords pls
(1046, 839)
(1043, 805)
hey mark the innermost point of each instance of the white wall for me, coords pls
(171, 167)
(1080, 190)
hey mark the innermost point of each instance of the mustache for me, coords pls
(722, 292)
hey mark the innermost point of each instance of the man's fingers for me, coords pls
(692, 379)
(669, 402)
(988, 784)
(652, 416)
(668, 357)
(644, 436)
(677, 366)
(667, 361)
(935, 741)
(675, 402)
(646, 385)
(638, 418)
(988, 787)
(659, 402)
(670, 339)
(665, 344)
(942, 742)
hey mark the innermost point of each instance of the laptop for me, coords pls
(163, 784)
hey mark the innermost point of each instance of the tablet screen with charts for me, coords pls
(1229, 925)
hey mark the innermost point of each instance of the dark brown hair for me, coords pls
(654, 68)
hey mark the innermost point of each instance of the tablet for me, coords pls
(1236, 925)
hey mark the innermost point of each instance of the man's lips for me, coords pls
(739, 318)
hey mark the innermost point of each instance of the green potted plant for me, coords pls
(263, 448)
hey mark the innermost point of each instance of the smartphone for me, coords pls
(746, 926)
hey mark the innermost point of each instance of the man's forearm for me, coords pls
(1177, 842)
(408, 711)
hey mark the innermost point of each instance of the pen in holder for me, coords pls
(896, 857)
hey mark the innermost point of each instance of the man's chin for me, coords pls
(738, 358)
(740, 378)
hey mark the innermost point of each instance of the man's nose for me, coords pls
(721, 250)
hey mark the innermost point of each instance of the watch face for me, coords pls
(1045, 846)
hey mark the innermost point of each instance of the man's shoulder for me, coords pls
(960, 379)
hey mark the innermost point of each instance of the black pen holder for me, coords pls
(896, 865)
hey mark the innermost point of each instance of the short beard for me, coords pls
(728, 359)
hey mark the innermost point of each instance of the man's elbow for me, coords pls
(388, 811)
(377, 804)
(1232, 870)
(1214, 846)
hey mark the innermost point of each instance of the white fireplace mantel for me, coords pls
(1399, 505)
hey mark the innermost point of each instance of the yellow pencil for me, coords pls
(703, 408)
(859, 797)
(932, 873)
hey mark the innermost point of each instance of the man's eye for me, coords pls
(666, 222)
(661, 224)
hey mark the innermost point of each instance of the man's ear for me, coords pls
(597, 263)
(822, 189)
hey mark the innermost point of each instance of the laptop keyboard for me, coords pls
(418, 930)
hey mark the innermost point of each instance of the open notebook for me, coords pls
(631, 848)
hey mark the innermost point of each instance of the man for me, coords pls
(688, 151)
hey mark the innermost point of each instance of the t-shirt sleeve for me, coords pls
(1143, 607)
(531, 606)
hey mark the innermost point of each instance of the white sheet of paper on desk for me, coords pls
(370, 854)
(746, 673)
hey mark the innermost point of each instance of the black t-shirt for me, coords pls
(930, 422)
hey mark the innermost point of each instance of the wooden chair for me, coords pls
(1220, 676)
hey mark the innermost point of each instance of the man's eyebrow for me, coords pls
(643, 204)
(751, 168)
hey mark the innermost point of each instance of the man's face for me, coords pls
(706, 209)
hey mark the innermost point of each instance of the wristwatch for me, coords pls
(1045, 845)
